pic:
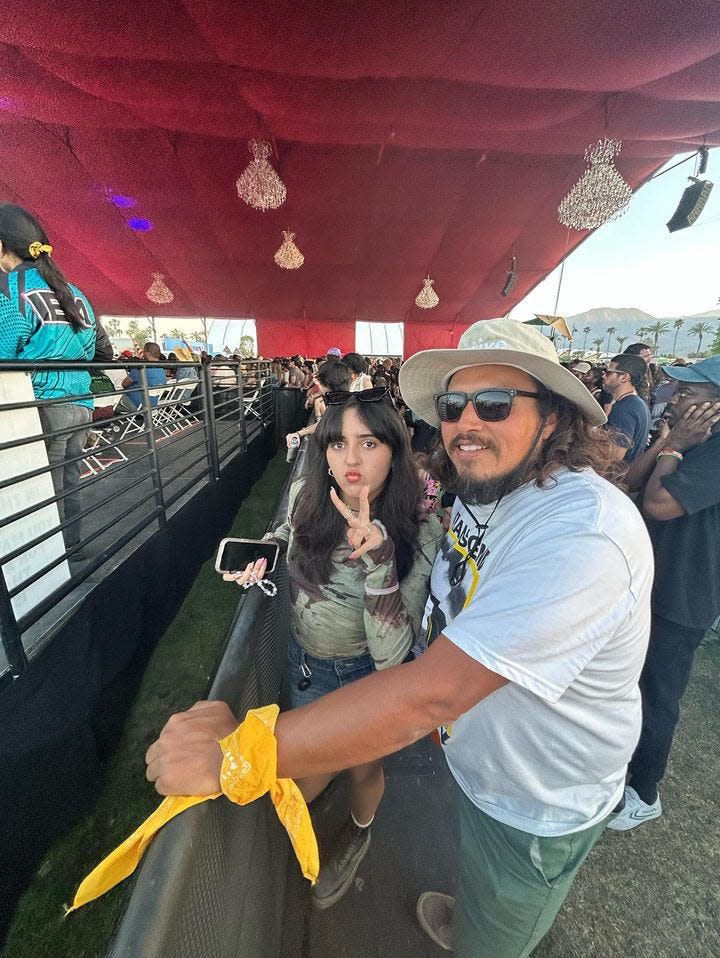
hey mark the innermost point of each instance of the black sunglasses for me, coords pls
(491, 405)
(339, 396)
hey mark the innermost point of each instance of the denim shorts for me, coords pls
(326, 675)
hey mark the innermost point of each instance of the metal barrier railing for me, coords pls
(214, 879)
(62, 518)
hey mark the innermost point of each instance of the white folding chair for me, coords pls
(102, 451)
(250, 403)
(175, 415)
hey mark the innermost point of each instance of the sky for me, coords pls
(635, 262)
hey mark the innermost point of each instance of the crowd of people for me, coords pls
(554, 683)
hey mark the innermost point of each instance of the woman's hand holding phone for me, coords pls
(252, 573)
(363, 535)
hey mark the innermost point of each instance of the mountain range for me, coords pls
(628, 321)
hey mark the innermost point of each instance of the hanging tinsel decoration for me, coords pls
(159, 292)
(259, 185)
(427, 298)
(601, 194)
(289, 256)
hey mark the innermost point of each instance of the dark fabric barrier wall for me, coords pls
(62, 717)
(217, 879)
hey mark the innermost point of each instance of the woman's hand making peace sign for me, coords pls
(362, 534)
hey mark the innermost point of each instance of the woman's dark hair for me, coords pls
(356, 363)
(576, 444)
(318, 527)
(334, 375)
(18, 230)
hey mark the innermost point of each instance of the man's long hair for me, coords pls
(575, 444)
(318, 528)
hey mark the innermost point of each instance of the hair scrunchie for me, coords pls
(36, 248)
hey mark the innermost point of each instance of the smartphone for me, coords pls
(234, 554)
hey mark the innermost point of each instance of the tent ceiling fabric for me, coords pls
(413, 137)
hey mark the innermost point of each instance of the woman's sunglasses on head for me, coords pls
(339, 396)
(491, 405)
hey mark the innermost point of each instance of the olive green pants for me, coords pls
(512, 884)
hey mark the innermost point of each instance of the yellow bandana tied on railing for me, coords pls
(249, 770)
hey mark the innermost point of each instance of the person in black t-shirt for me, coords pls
(680, 473)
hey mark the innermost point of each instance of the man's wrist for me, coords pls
(671, 453)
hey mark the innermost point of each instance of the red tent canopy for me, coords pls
(413, 137)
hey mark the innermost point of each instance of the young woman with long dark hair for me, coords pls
(359, 554)
(44, 318)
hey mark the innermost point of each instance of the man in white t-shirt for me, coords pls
(535, 634)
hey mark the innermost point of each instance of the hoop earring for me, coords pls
(330, 473)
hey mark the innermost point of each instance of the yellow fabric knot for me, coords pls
(249, 770)
(36, 248)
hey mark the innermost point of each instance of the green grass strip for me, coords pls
(177, 674)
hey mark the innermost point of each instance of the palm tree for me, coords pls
(699, 330)
(610, 330)
(657, 330)
(597, 343)
(677, 326)
(715, 346)
(587, 330)
(642, 332)
(139, 334)
(113, 326)
(620, 341)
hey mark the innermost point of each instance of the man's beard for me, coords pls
(481, 492)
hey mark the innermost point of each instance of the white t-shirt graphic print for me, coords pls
(555, 597)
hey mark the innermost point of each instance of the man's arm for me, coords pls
(691, 429)
(363, 721)
(641, 468)
(305, 431)
(387, 711)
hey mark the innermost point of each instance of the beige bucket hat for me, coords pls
(502, 342)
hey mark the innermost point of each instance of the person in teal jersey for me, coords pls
(44, 318)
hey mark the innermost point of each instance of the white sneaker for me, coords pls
(636, 812)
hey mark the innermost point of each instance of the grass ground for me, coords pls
(654, 892)
(177, 674)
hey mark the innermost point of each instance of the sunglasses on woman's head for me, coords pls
(491, 405)
(339, 396)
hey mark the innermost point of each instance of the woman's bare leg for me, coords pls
(312, 786)
(367, 785)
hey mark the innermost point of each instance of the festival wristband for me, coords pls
(249, 770)
(671, 453)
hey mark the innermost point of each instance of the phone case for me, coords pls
(263, 542)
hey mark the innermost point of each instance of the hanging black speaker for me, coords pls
(691, 205)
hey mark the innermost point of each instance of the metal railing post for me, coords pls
(210, 424)
(12, 643)
(152, 448)
(241, 401)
